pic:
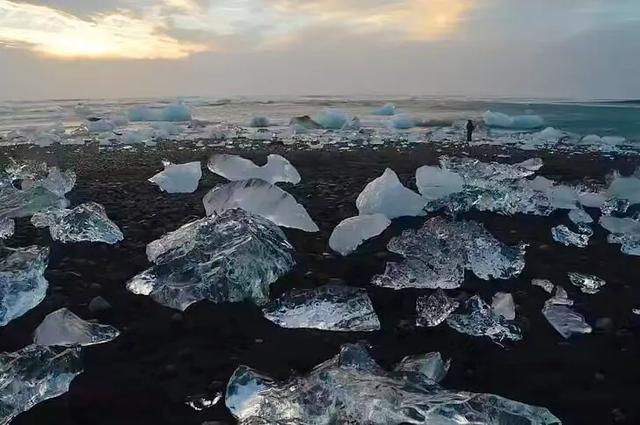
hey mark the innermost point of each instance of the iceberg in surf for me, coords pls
(62, 327)
(304, 123)
(353, 231)
(386, 109)
(260, 198)
(623, 231)
(172, 112)
(518, 122)
(386, 195)
(22, 282)
(563, 319)
(34, 374)
(479, 319)
(233, 167)
(86, 222)
(329, 308)
(434, 309)
(259, 121)
(437, 255)
(230, 257)
(7, 227)
(178, 178)
(332, 119)
(403, 122)
(352, 388)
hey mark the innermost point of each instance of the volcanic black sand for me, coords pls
(164, 356)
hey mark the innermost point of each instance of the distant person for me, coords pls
(470, 128)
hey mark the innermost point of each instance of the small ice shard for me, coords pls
(353, 231)
(429, 365)
(233, 167)
(545, 284)
(203, 402)
(563, 319)
(403, 122)
(332, 119)
(623, 231)
(7, 227)
(233, 256)
(386, 109)
(260, 198)
(588, 284)
(520, 122)
(566, 237)
(434, 309)
(86, 222)
(259, 121)
(34, 374)
(478, 319)
(172, 112)
(22, 282)
(62, 327)
(178, 178)
(435, 183)
(503, 305)
(328, 308)
(351, 388)
(580, 216)
(386, 195)
(304, 123)
(437, 255)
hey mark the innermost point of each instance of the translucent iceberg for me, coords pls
(503, 305)
(386, 195)
(259, 121)
(260, 198)
(62, 327)
(625, 188)
(403, 122)
(386, 109)
(479, 319)
(520, 122)
(435, 183)
(235, 168)
(567, 237)
(351, 388)
(7, 227)
(172, 112)
(437, 255)
(580, 216)
(332, 119)
(588, 284)
(624, 231)
(353, 231)
(329, 308)
(86, 222)
(178, 178)
(434, 309)
(233, 256)
(34, 374)
(22, 282)
(563, 319)
(304, 123)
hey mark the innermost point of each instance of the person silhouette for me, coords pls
(470, 128)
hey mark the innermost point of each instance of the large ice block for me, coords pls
(386, 195)
(178, 178)
(233, 167)
(353, 231)
(479, 319)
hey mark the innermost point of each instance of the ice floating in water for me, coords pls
(522, 122)
(435, 183)
(86, 222)
(503, 305)
(623, 231)
(386, 109)
(386, 195)
(563, 319)
(545, 284)
(304, 123)
(329, 308)
(179, 178)
(171, 112)
(434, 309)
(261, 198)
(234, 168)
(259, 121)
(62, 327)
(478, 319)
(332, 119)
(580, 216)
(403, 122)
(352, 388)
(34, 374)
(567, 237)
(353, 231)
(7, 227)
(22, 282)
(233, 256)
(437, 255)
(588, 284)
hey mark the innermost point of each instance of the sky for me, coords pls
(577, 49)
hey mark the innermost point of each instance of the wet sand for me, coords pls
(163, 356)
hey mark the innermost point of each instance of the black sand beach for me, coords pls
(163, 356)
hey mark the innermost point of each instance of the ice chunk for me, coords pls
(625, 188)
(437, 254)
(62, 327)
(7, 227)
(567, 237)
(332, 119)
(473, 169)
(204, 401)
(503, 305)
(520, 122)
(353, 231)
(545, 284)
(99, 125)
(478, 319)
(304, 123)
(386, 109)
(429, 365)
(550, 135)
(580, 216)
(233, 256)
(234, 168)
(22, 282)
(179, 178)
(624, 231)
(386, 195)
(588, 284)
(435, 183)
(261, 198)
(563, 319)
(351, 388)
(86, 222)
(259, 121)
(329, 308)
(34, 374)
(434, 309)
(172, 112)
(403, 122)
(561, 297)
